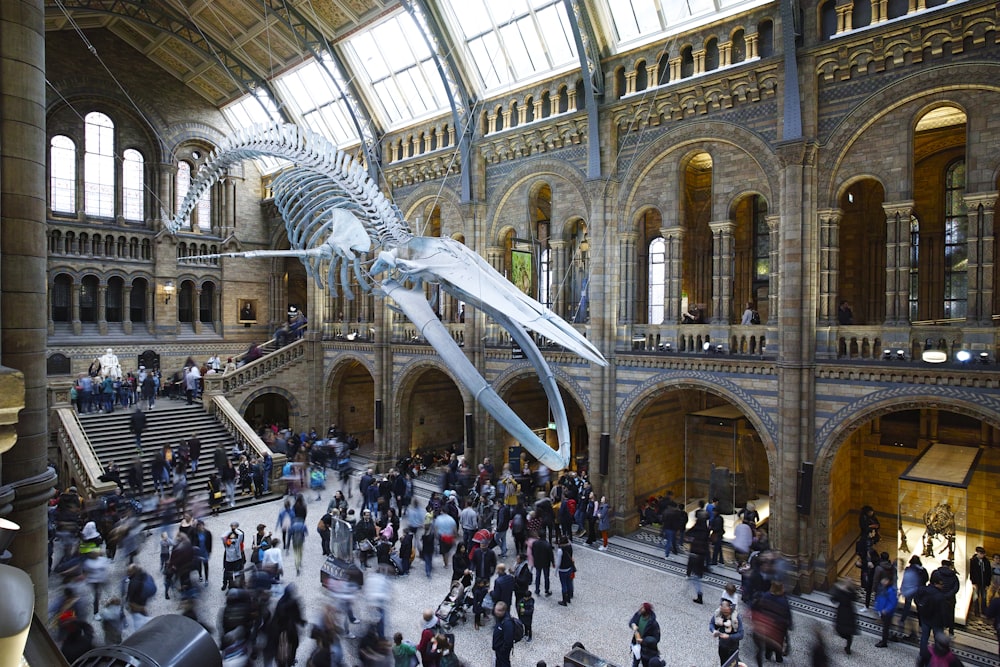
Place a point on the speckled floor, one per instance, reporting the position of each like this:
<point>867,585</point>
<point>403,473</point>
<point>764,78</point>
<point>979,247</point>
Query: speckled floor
<point>609,589</point>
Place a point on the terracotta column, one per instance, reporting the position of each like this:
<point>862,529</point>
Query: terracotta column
<point>23,256</point>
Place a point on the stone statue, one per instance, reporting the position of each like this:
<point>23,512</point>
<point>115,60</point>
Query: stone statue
<point>334,214</point>
<point>110,366</point>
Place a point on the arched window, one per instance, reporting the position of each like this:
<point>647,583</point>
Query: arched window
<point>201,216</point>
<point>113,310</point>
<point>206,303</point>
<point>185,302</point>
<point>739,48</point>
<point>62,174</point>
<point>711,54</point>
<point>133,181</point>
<point>657,279</point>
<point>88,299</point>
<point>956,248</point>
<point>579,274</point>
<point>545,277</point>
<point>183,182</point>
<point>99,165</point>
<point>765,39</point>
<point>62,289</point>
<point>861,14</point>
<point>687,62</point>
<point>137,301</point>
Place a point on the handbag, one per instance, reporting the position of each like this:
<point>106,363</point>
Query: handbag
<point>488,602</point>
<point>365,545</point>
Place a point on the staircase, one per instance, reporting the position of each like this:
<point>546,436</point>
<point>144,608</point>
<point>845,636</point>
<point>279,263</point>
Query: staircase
<point>169,422</point>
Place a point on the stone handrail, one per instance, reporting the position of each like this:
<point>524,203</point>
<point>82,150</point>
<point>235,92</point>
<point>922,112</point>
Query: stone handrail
<point>231,419</point>
<point>258,369</point>
<point>85,466</point>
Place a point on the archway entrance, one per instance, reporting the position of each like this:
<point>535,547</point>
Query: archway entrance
<point>352,401</point>
<point>527,399</point>
<point>931,477</point>
<point>697,445</point>
<point>432,415</point>
<point>267,409</point>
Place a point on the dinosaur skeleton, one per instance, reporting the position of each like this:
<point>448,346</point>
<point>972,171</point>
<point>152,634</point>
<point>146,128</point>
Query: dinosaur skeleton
<point>334,214</point>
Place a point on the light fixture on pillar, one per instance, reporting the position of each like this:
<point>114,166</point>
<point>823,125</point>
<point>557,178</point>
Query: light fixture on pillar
<point>901,355</point>
<point>706,346</point>
<point>718,349</point>
<point>963,356</point>
<point>168,291</point>
<point>887,354</point>
<point>934,356</point>
<point>984,357</point>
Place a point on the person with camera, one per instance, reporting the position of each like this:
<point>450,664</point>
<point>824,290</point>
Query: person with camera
<point>234,556</point>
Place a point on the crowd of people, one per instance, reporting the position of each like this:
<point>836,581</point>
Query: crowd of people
<point>468,528</point>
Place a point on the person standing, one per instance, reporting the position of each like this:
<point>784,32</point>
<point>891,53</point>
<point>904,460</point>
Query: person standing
<point>201,539</point>
<point>604,522</point>
<point>194,451</point>
<point>503,635</point>
<point>644,626</point>
<point>717,528</point>
<point>543,557</point>
<point>148,388</point>
<point>234,556</point>
<point>885,605</point>
<point>981,574</point>
<point>567,569</point>
<point>914,578</point>
<point>931,609</point>
<point>950,585</point>
<point>726,626</point>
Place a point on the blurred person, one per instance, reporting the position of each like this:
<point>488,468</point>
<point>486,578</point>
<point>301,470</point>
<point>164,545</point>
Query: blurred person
<point>846,618</point>
<point>772,618</point>
<point>915,577</point>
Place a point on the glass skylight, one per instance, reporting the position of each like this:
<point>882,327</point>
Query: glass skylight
<point>394,60</point>
<point>640,21</point>
<point>313,97</point>
<point>514,41</point>
<point>252,110</point>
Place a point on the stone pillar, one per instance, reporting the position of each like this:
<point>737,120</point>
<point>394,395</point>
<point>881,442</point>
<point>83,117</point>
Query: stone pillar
<point>699,61</point>
<point>506,118</point>
<point>673,262</point>
<point>752,39</point>
<point>774,259</point>
<point>494,255</point>
<point>23,253</point>
<point>844,18</point>
<point>981,249</point>
<point>127,308</point>
<point>627,282</point>
<point>557,266</point>
<point>74,306</point>
<point>879,11</point>
<point>554,103</point>
<point>196,310</point>
<point>151,308</point>
<point>722,270</point>
<point>217,310</point>
<point>725,54</point>
<point>629,82</point>
<point>652,74</point>
<point>829,264</point>
<point>102,309</point>
<point>675,68</point>
<point>897,262</point>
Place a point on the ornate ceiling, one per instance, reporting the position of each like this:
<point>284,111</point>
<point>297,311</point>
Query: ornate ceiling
<point>220,48</point>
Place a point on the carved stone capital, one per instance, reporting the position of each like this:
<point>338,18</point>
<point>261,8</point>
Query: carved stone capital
<point>11,403</point>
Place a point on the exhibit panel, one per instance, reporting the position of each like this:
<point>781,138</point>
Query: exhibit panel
<point>933,514</point>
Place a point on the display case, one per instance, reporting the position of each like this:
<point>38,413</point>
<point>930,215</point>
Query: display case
<point>933,513</point>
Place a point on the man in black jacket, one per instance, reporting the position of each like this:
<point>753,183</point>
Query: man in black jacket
<point>503,587</point>
<point>950,586</point>
<point>522,577</point>
<point>931,609</point>
<point>503,635</point>
<point>981,574</point>
<point>543,555</point>
<point>137,424</point>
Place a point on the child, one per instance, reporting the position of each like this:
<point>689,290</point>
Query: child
<point>731,594</point>
<point>525,611</point>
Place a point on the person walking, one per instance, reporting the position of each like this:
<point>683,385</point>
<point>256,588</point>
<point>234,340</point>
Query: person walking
<point>846,618</point>
<point>772,618</point>
<point>136,425</point>
<point>644,628</point>
<point>914,578</point>
<point>503,635</point>
<point>697,535</point>
<point>726,626</point>
<point>604,522</point>
<point>885,605</point>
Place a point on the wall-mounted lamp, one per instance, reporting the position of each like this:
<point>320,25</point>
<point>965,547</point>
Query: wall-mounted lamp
<point>168,291</point>
<point>963,356</point>
<point>984,357</point>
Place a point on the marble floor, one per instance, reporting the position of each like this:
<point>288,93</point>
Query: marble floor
<point>609,588</point>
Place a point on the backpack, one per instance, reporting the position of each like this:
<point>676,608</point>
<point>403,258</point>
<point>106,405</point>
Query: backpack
<point>148,588</point>
<point>755,318</point>
<point>518,629</point>
<point>945,660</point>
<point>571,506</point>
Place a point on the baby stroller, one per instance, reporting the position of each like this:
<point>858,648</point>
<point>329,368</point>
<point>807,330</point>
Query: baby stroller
<point>451,611</point>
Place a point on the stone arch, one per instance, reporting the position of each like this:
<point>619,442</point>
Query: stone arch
<point>946,84</point>
<point>514,373</point>
<point>843,187</point>
<point>548,169</point>
<point>737,196</point>
<point>336,370</point>
<point>294,408</point>
<point>649,391</point>
<point>404,382</point>
<point>674,146</point>
<point>427,196</point>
